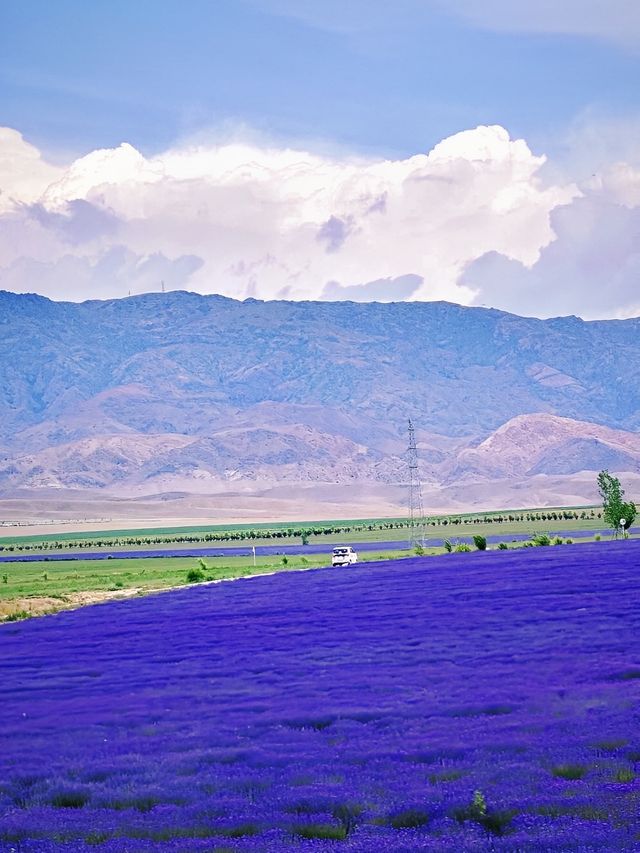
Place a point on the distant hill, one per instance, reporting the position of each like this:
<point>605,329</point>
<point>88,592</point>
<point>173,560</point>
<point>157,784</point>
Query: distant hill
<point>178,391</point>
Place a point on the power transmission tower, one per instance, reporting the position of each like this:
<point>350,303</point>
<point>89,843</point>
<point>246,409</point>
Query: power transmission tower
<point>416,510</point>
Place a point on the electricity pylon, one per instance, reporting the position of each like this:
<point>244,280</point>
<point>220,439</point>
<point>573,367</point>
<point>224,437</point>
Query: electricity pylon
<point>416,510</point>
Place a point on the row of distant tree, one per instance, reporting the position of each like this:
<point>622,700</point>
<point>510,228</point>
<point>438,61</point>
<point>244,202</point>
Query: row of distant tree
<point>302,533</point>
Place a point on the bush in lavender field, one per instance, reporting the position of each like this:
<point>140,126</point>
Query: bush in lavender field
<point>625,774</point>
<point>569,771</point>
<point>70,798</point>
<point>409,819</point>
<point>480,542</point>
<point>540,540</point>
<point>419,705</point>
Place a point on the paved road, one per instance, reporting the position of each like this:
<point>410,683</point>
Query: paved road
<point>271,550</point>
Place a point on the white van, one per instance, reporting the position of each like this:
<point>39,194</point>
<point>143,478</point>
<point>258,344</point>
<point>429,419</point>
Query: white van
<point>343,555</point>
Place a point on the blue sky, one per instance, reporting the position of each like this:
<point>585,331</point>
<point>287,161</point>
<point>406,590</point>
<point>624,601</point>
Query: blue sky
<point>390,78</point>
<point>487,153</point>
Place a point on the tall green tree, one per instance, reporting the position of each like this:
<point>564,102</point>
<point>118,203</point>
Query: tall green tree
<point>614,507</point>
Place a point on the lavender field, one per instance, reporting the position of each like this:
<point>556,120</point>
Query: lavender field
<point>486,701</point>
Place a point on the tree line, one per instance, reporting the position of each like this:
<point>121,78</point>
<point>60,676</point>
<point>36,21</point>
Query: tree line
<point>302,533</point>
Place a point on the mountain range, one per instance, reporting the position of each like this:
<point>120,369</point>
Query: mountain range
<point>176,392</point>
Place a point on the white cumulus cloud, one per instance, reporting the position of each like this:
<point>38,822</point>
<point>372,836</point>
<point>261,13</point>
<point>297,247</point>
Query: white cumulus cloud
<point>591,269</point>
<point>24,174</point>
<point>272,222</point>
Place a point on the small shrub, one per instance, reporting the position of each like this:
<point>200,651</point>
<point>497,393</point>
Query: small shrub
<point>195,575</point>
<point>569,541</point>
<point>624,774</point>
<point>591,813</point>
<point>479,804</point>
<point>96,838</point>
<point>408,819</point>
<point>480,542</point>
<point>418,551</point>
<point>462,548</point>
<point>325,831</point>
<point>285,561</point>
<point>540,540</point>
<point>597,537</point>
<point>17,616</point>
<point>347,815</point>
<point>141,802</point>
<point>5,578</point>
<point>70,799</point>
<point>495,822</point>
<point>448,547</point>
<point>557,540</point>
<point>571,772</point>
<point>503,546</point>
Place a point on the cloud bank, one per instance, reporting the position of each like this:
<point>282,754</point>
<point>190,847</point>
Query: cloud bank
<point>592,269</point>
<point>471,221</point>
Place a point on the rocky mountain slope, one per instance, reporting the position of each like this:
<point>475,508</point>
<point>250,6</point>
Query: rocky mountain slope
<point>179,391</point>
